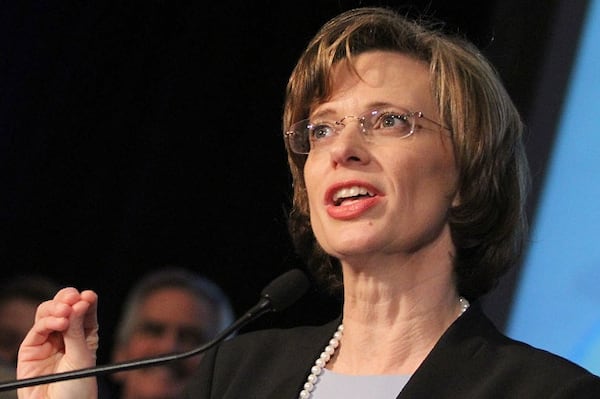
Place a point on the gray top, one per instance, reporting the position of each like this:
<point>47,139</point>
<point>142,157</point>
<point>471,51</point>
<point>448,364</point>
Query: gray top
<point>332,385</point>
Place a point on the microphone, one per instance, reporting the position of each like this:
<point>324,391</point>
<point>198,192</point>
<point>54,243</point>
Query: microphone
<point>278,295</point>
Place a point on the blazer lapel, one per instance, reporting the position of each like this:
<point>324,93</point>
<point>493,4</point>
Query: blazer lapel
<point>448,369</point>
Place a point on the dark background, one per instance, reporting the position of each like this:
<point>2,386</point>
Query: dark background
<point>139,134</point>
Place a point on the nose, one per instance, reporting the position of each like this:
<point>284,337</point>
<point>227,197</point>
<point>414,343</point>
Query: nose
<point>352,126</point>
<point>348,119</point>
<point>350,143</point>
<point>169,341</point>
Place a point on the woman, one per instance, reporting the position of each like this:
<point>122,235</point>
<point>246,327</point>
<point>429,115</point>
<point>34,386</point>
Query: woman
<point>409,187</point>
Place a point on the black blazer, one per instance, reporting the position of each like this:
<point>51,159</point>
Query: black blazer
<point>471,360</point>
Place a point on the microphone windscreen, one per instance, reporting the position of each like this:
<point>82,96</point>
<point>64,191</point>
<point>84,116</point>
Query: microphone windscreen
<point>286,289</point>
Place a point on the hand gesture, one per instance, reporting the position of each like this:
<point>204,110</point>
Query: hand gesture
<point>64,337</point>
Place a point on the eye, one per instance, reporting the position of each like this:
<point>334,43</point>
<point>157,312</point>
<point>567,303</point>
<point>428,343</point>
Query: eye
<point>392,120</point>
<point>320,131</point>
<point>151,329</point>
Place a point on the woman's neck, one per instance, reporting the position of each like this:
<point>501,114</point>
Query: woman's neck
<point>395,317</point>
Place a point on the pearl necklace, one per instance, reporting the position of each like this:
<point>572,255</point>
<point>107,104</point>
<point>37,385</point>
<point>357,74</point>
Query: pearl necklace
<point>329,350</point>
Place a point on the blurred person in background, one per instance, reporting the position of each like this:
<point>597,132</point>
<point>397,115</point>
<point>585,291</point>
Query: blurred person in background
<point>171,309</point>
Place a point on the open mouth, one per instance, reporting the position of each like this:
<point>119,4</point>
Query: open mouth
<point>350,193</point>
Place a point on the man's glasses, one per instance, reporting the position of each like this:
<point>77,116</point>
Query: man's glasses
<point>306,135</point>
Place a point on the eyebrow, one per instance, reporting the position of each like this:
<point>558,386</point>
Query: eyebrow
<point>327,111</point>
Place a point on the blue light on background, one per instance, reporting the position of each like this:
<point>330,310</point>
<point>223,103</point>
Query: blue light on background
<point>557,302</point>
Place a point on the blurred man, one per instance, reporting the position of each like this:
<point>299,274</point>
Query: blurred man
<point>169,310</point>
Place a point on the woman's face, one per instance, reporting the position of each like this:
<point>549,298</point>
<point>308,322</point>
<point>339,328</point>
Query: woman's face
<point>383,195</point>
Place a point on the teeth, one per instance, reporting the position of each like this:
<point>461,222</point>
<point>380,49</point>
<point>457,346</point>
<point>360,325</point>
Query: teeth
<point>347,192</point>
